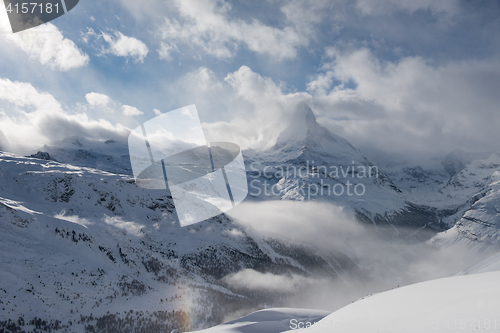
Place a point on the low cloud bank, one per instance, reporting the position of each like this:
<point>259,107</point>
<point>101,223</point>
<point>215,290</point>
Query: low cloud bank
<point>383,262</point>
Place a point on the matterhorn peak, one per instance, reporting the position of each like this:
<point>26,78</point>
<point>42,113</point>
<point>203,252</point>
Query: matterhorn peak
<point>304,115</point>
<point>304,132</point>
<point>304,136</point>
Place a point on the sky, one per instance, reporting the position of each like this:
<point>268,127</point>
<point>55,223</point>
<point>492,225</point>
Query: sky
<point>405,77</point>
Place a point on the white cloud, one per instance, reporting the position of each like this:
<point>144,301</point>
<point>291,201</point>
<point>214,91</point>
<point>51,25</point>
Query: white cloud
<point>305,16</point>
<point>5,27</point>
<point>377,7</point>
<point>47,45</point>
<point>131,111</point>
<point>37,118</point>
<point>233,233</point>
<point>103,102</point>
<point>378,262</point>
<point>4,143</point>
<point>409,106</point>
<point>24,94</point>
<point>157,112</point>
<point>244,108</point>
<point>206,27</point>
<point>129,227</point>
<point>86,36</point>
<point>124,46</point>
<point>166,49</point>
<point>96,99</point>
<point>73,219</point>
<point>252,280</point>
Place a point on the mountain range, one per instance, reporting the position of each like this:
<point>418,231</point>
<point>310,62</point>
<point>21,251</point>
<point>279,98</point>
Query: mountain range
<point>85,250</point>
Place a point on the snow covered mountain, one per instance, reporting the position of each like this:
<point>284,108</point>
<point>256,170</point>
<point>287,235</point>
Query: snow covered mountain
<point>108,155</point>
<point>466,303</point>
<point>458,159</point>
<point>79,239</point>
<point>309,162</point>
<point>88,248</point>
<point>478,225</point>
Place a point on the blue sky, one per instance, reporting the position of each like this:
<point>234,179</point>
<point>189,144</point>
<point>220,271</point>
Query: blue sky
<point>406,77</point>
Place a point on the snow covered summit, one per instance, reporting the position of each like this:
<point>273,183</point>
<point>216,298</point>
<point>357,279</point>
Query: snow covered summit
<point>305,139</point>
<point>308,162</point>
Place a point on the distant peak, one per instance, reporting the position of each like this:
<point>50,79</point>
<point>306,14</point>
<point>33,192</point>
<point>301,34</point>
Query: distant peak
<point>77,142</point>
<point>303,115</point>
<point>304,130</point>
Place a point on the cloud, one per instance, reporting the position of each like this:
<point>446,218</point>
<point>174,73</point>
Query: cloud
<point>96,99</point>
<point>5,27</point>
<point>409,105</point>
<point>131,111</point>
<point>37,118</point>
<point>129,227</point>
<point>307,16</point>
<point>4,143</point>
<point>233,233</point>
<point>23,94</point>
<point>157,112</point>
<point>73,219</point>
<point>305,222</point>
<point>252,280</point>
<point>102,102</point>
<point>384,7</point>
<point>207,28</point>
<point>166,49</point>
<point>245,108</point>
<point>124,46</point>
<point>381,262</point>
<point>47,45</point>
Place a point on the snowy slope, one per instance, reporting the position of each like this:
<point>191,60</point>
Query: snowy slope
<point>467,303</point>
<point>269,321</point>
<point>107,155</point>
<point>456,160</point>
<point>478,185</point>
<point>490,264</point>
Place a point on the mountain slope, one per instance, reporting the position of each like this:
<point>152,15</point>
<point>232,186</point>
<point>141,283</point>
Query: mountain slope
<point>478,184</point>
<point>77,241</point>
<point>108,155</point>
<point>270,321</point>
<point>456,160</point>
<point>466,303</point>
